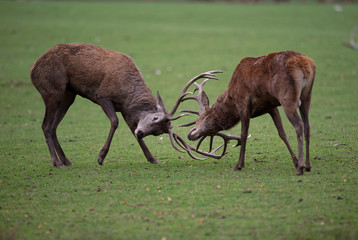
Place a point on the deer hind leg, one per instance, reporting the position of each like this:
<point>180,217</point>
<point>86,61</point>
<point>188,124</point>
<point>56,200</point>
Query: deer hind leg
<point>304,110</point>
<point>110,111</point>
<point>52,105</point>
<point>297,123</point>
<point>275,115</point>
<point>61,112</point>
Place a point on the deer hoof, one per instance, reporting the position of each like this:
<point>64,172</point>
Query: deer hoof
<point>236,168</point>
<point>100,160</point>
<point>154,161</point>
<point>67,163</point>
<point>59,165</point>
<point>299,171</point>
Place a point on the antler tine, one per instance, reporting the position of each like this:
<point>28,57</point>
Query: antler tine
<point>190,111</point>
<point>186,147</point>
<point>187,124</point>
<point>225,137</point>
<point>199,143</point>
<point>172,138</point>
<point>201,98</point>
<point>211,146</point>
<point>228,138</point>
<point>190,123</point>
<point>179,116</point>
<point>209,75</point>
<point>181,143</point>
<point>211,143</point>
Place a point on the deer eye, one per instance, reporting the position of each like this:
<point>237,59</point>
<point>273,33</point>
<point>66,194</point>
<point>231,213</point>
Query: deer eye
<point>155,118</point>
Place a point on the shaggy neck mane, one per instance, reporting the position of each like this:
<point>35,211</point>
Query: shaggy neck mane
<point>224,112</point>
<point>138,105</point>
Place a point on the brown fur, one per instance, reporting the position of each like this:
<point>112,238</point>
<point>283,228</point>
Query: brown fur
<point>258,86</point>
<point>107,78</point>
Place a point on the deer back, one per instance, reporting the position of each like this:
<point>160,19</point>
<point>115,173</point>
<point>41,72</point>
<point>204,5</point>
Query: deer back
<point>93,72</point>
<point>263,83</point>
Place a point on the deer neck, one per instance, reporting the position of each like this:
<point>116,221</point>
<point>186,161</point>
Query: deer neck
<point>225,112</point>
<point>137,108</point>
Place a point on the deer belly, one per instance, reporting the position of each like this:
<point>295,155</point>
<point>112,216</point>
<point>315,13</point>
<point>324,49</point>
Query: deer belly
<point>84,91</point>
<point>260,106</point>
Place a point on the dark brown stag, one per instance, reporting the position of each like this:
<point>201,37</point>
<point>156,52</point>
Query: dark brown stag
<point>109,79</point>
<point>258,86</point>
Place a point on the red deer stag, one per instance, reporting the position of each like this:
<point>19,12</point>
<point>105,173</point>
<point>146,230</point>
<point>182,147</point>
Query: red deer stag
<point>258,86</point>
<point>109,79</point>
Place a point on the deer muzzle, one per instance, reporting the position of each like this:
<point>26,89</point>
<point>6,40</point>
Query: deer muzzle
<point>139,134</point>
<point>193,135</point>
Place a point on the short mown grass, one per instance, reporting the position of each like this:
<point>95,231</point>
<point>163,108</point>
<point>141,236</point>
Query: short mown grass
<point>127,197</point>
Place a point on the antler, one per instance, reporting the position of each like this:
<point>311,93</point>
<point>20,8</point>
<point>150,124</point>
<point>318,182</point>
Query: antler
<point>184,93</point>
<point>212,152</point>
<point>203,101</point>
<point>182,97</point>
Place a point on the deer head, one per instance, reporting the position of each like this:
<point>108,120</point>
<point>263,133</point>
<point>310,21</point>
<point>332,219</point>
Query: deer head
<point>155,123</point>
<point>204,108</point>
<point>205,126</point>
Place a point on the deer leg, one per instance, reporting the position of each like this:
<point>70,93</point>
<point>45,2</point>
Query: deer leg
<point>304,109</point>
<point>275,115</point>
<point>49,119</point>
<point>141,142</point>
<point>61,112</point>
<point>298,125</point>
<point>245,122</point>
<point>146,152</point>
<point>109,110</point>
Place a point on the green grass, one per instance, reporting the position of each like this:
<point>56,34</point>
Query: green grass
<point>128,198</point>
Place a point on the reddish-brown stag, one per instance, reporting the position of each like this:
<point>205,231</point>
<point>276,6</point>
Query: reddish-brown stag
<point>258,86</point>
<point>109,79</point>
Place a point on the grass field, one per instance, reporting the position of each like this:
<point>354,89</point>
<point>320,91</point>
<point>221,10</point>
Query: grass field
<point>128,198</point>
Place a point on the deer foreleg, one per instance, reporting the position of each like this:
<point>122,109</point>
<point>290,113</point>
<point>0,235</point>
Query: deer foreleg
<point>245,122</point>
<point>275,115</point>
<point>109,110</point>
<point>146,152</point>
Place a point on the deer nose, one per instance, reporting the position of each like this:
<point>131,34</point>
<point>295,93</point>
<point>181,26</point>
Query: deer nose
<point>140,134</point>
<point>189,137</point>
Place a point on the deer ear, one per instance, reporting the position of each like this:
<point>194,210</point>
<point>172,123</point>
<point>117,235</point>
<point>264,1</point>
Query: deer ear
<point>160,104</point>
<point>205,100</point>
